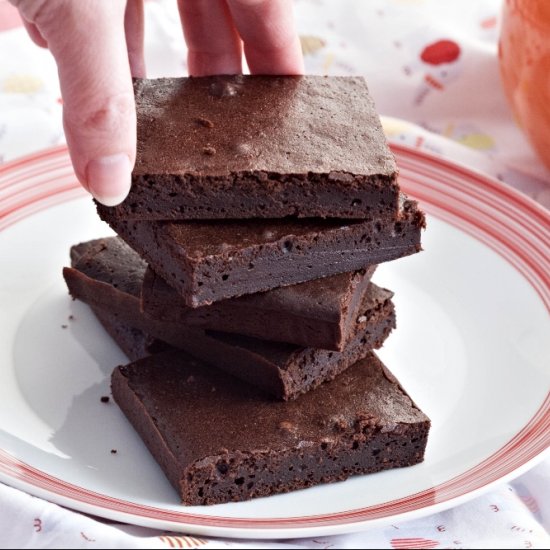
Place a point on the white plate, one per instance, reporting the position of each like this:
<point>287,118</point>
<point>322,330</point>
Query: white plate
<point>472,348</point>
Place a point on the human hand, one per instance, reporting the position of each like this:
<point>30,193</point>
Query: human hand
<point>98,47</point>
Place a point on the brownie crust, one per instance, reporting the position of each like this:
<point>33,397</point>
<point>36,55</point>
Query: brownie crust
<point>306,146</point>
<point>206,262</point>
<point>218,440</point>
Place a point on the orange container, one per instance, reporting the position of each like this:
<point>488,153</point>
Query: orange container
<point>524,56</point>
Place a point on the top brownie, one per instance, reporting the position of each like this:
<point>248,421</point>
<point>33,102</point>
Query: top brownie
<point>259,146</point>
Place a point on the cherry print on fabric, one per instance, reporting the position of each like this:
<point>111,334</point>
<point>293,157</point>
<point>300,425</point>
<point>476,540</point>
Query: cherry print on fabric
<point>442,51</point>
<point>440,66</point>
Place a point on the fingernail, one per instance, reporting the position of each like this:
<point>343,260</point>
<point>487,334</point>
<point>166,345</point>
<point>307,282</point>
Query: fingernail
<point>109,178</point>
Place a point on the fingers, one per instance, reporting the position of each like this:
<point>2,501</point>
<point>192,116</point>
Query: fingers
<point>214,47</point>
<point>98,100</point>
<point>266,27</point>
<point>134,30</point>
<point>271,43</point>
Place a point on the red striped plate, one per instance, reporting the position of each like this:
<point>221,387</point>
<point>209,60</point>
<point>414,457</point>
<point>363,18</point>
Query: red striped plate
<point>472,348</point>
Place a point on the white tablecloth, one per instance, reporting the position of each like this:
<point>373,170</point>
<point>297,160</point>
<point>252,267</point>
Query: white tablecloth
<point>431,67</point>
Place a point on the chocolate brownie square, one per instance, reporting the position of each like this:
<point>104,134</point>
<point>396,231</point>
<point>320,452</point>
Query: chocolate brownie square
<point>222,147</point>
<point>316,314</point>
<point>218,440</point>
<point>206,262</point>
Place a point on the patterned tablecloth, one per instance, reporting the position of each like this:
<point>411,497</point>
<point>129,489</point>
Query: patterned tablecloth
<point>431,66</point>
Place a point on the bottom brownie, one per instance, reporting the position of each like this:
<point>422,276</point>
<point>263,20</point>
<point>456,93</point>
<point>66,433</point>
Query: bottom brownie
<point>219,440</point>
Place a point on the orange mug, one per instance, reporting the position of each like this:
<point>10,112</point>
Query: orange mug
<point>524,57</point>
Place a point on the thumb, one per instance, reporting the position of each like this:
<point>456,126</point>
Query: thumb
<point>88,43</point>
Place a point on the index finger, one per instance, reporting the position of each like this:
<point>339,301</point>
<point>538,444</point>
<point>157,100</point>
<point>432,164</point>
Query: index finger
<point>88,43</point>
<point>271,43</point>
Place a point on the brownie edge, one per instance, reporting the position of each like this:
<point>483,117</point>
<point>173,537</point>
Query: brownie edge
<point>218,440</point>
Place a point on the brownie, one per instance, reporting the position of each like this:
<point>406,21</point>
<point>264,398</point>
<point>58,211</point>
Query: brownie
<point>206,262</point>
<point>282,370</point>
<point>133,342</point>
<point>219,440</point>
<point>224,147</point>
<point>318,313</point>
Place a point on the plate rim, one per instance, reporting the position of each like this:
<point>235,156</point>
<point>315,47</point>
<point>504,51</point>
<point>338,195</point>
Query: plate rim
<point>13,471</point>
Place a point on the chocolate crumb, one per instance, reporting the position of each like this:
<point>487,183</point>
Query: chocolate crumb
<point>205,122</point>
<point>64,326</point>
<point>208,150</point>
<point>339,424</point>
<point>71,317</point>
<point>222,89</point>
<point>243,149</point>
<point>105,399</point>
<point>287,426</point>
<point>114,451</point>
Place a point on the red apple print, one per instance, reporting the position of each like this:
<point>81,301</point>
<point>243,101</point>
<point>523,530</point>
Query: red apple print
<point>442,51</point>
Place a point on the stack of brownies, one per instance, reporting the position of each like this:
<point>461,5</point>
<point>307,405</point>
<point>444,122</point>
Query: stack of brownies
<point>239,284</point>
